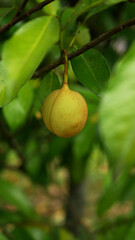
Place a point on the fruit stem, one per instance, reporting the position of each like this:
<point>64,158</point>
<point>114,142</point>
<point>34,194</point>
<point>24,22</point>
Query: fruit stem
<point>66,67</point>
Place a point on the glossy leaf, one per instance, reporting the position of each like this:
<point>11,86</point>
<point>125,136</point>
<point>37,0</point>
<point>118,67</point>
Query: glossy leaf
<point>13,195</point>
<point>22,54</point>
<point>93,6</point>
<point>88,95</point>
<point>117,115</point>
<point>52,8</point>
<point>92,70</point>
<point>48,84</point>
<point>16,112</point>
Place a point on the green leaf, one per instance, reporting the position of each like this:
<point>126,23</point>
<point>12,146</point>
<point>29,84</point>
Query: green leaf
<point>6,3</point>
<point>48,84</point>
<point>80,154</point>
<point>21,234</point>
<point>22,54</point>
<point>16,112</point>
<point>4,12</point>
<point>2,237</point>
<point>89,96</point>
<point>38,234</point>
<point>66,16</point>
<point>93,6</point>
<point>117,114</point>
<point>112,193</point>
<point>85,136</point>
<point>80,40</point>
<point>92,70</point>
<point>52,8</point>
<point>69,27</point>
<point>7,217</point>
<point>57,146</point>
<point>13,195</point>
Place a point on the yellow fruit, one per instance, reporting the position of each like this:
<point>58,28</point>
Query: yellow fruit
<point>65,112</point>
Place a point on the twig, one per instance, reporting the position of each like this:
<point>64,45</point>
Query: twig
<point>21,8</point>
<point>38,7</point>
<point>86,47</point>
<point>12,143</point>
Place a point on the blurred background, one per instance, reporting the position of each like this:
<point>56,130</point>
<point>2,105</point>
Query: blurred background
<point>51,187</point>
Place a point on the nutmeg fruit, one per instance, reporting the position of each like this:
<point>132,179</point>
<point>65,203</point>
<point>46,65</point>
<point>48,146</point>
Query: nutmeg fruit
<point>65,111</point>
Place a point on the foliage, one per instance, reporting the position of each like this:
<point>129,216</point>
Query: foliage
<point>96,165</point>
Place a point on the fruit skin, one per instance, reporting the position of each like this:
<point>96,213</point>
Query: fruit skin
<point>65,112</point>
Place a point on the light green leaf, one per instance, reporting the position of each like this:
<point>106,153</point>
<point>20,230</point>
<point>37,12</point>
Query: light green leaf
<point>117,114</point>
<point>13,195</point>
<point>22,54</point>
<point>16,112</point>
<point>80,39</point>
<point>52,8</point>
<point>92,70</point>
<point>37,234</point>
<point>48,84</point>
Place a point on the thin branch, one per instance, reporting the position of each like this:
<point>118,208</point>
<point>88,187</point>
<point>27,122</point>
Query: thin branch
<point>12,143</point>
<point>86,47</point>
<point>38,7</point>
<point>21,8</point>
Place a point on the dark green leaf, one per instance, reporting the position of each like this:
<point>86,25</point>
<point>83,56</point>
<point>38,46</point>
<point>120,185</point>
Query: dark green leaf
<point>21,234</point>
<point>4,12</point>
<point>92,70</point>
<point>7,217</point>
<point>13,195</point>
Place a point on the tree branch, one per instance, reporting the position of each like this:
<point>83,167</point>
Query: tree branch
<point>86,47</point>
<point>21,8</point>
<point>12,143</point>
<point>13,21</point>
